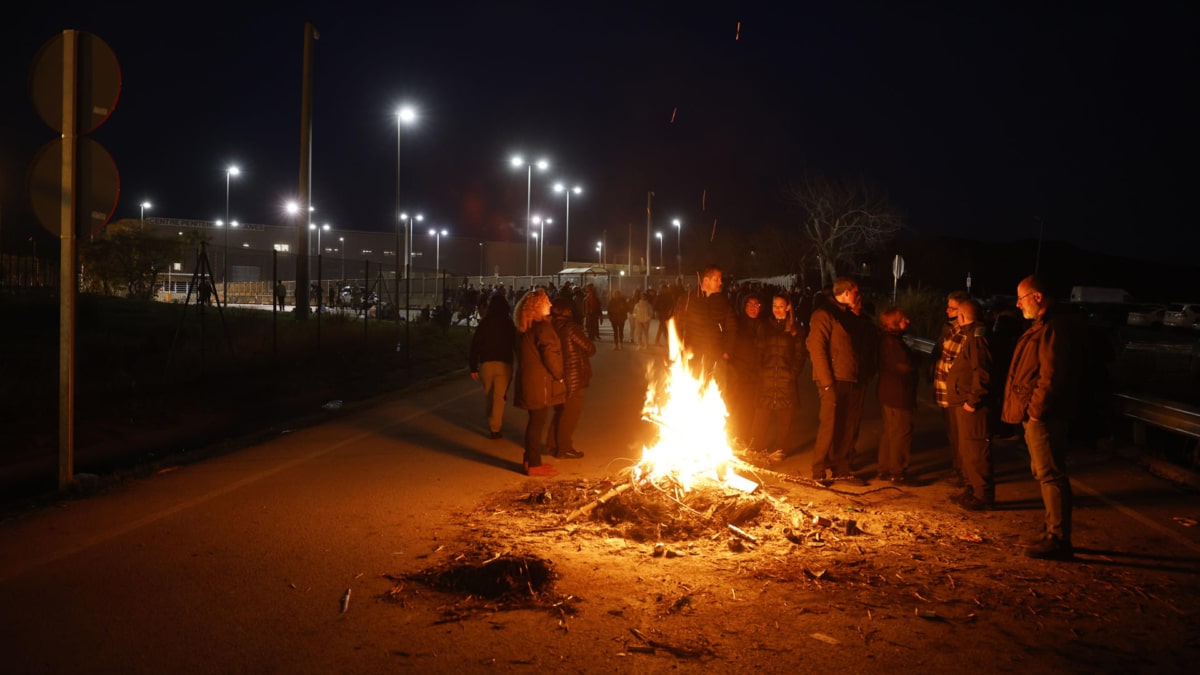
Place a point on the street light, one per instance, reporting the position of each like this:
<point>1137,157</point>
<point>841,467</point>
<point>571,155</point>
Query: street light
<point>408,240</point>
<point>542,165</point>
<point>678,256</point>
<point>406,114</point>
<point>662,261</point>
<point>229,173</point>
<point>144,205</point>
<point>437,258</point>
<point>541,251</point>
<point>599,253</point>
<point>342,248</point>
<point>313,226</point>
<point>559,187</point>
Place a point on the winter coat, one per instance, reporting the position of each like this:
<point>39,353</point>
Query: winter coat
<point>781,357</point>
<point>539,368</point>
<point>1042,379</point>
<point>744,357</point>
<point>577,353</point>
<point>643,311</point>
<point>494,340</point>
<point>706,324</point>
<point>969,379</point>
<point>618,310</point>
<point>838,341</point>
<point>897,373</point>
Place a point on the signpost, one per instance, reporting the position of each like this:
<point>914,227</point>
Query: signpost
<point>75,84</point>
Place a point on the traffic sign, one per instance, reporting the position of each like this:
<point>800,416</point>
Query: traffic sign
<point>99,83</point>
<point>97,187</point>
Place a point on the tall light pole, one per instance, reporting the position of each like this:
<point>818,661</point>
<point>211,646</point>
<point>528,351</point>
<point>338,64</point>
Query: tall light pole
<point>313,226</point>
<point>599,253</point>
<point>678,256</point>
<point>406,114</point>
<point>661,260</point>
<point>144,206</point>
<point>408,240</point>
<point>342,248</point>
<point>229,173</point>
<point>536,244</point>
<point>437,258</point>
<point>540,246</point>
<point>559,187</point>
<point>542,165</point>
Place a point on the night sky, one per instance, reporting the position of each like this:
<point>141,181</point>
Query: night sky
<point>977,122</point>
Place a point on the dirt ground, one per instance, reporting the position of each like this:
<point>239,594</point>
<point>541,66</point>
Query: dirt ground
<point>655,579</point>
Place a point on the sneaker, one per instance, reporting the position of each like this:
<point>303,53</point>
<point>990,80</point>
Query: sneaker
<point>568,454</point>
<point>495,435</point>
<point>543,470</point>
<point>849,479</point>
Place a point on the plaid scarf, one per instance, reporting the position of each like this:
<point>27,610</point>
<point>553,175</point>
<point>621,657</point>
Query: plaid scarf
<point>950,348</point>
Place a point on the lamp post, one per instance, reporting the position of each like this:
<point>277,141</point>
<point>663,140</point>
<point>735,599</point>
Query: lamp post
<point>437,258</point>
<point>542,165</point>
<point>559,187</point>
<point>404,115</point>
<point>599,253</point>
<point>144,206</point>
<point>342,248</point>
<point>536,242</point>
<point>408,243</point>
<point>326,227</point>
<point>678,256</point>
<point>481,266</point>
<point>229,173</point>
<point>661,261</point>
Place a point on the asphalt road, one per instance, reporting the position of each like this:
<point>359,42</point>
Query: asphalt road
<point>240,563</point>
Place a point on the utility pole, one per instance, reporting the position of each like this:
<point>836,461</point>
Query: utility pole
<point>649,196</point>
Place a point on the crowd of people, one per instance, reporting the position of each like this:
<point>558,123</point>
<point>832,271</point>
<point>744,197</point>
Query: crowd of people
<point>993,373</point>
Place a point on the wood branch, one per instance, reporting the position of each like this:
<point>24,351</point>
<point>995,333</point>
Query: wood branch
<point>592,505</point>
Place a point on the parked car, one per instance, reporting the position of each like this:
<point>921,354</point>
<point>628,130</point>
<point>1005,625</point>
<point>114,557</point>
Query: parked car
<point>1181,314</point>
<point>1146,315</point>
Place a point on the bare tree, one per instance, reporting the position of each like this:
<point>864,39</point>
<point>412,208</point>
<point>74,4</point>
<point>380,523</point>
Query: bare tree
<point>841,220</point>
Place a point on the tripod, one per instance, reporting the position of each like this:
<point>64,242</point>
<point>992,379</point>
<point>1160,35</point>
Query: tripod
<point>206,293</point>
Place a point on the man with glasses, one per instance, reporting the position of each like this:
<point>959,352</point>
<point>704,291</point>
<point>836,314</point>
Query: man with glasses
<point>1040,394</point>
<point>944,352</point>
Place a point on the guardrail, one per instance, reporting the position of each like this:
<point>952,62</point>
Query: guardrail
<point>1179,418</point>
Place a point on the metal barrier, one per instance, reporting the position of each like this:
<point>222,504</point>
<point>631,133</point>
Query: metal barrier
<point>1176,417</point>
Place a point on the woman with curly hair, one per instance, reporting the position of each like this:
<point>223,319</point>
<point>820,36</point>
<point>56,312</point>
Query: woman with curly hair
<point>539,378</point>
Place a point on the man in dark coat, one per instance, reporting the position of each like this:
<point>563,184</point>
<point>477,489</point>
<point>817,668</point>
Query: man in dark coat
<point>897,396</point>
<point>1040,394</point>
<point>707,325</point>
<point>968,396</point>
<point>838,341</point>
<point>491,360</point>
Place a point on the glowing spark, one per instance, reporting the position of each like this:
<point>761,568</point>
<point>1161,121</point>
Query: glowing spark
<point>713,236</point>
<point>738,34</point>
<point>673,111</point>
<point>703,200</point>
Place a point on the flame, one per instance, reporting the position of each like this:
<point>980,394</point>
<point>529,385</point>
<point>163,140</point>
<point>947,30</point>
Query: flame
<point>690,416</point>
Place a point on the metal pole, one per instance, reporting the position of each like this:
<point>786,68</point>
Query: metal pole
<point>567,240</point>
<point>399,223</point>
<point>649,196</point>
<point>528,214</point>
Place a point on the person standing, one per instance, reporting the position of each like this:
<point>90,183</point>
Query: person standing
<point>941,357</point>
<point>592,311</point>
<point>280,296</point>
<point>540,384</point>
<point>707,326</point>
<point>642,313</point>
<point>664,305</point>
<point>744,371</point>
<point>968,395</point>
<point>897,390</point>
<point>577,375</point>
<point>1040,394</point>
<point>618,311</point>
<point>836,343</point>
<point>491,360</point>
<point>781,355</point>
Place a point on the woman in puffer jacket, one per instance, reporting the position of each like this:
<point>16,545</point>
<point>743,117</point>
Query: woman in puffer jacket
<point>539,378</point>
<point>781,357</point>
